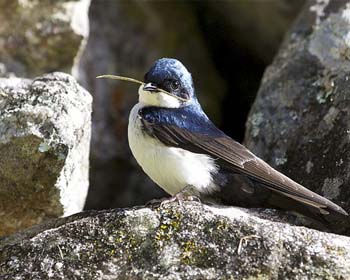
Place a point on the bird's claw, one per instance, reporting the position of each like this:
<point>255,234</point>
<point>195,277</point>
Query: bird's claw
<point>184,195</point>
<point>180,197</point>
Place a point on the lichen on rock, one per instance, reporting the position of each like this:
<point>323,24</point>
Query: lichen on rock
<point>174,241</point>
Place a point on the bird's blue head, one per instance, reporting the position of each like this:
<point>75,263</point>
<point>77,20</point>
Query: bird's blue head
<point>172,76</point>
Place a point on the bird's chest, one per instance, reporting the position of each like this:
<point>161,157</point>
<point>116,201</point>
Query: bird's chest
<point>171,168</point>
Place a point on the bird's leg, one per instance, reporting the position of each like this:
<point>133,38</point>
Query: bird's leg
<point>186,194</point>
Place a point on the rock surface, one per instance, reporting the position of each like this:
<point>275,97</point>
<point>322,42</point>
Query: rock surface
<point>37,37</point>
<point>300,121</point>
<point>44,147</point>
<point>187,241</point>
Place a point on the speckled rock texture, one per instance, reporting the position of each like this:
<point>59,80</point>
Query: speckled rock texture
<point>172,241</point>
<point>300,121</point>
<point>39,36</point>
<point>44,146</point>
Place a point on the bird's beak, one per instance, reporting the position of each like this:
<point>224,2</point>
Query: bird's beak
<point>150,87</point>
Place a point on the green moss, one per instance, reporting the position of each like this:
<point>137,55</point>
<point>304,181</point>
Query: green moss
<point>222,225</point>
<point>194,254</point>
<point>169,224</point>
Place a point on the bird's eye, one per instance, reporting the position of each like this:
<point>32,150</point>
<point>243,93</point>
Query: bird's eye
<point>175,85</point>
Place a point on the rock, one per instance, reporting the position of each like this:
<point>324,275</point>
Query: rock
<point>42,36</point>
<point>44,147</point>
<point>300,121</point>
<point>126,38</point>
<point>187,241</point>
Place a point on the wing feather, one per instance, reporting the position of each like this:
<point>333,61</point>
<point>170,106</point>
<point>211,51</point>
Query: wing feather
<point>239,159</point>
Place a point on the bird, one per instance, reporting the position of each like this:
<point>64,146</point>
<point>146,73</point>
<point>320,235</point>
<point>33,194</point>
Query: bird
<point>180,148</point>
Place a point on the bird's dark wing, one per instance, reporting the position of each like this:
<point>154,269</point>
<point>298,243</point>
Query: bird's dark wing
<point>236,157</point>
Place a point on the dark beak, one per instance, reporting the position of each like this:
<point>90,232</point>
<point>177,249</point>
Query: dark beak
<point>150,87</point>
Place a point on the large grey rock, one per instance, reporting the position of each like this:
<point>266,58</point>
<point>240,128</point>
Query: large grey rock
<point>187,241</point>
<point>44,148</point>
<point>41,36</point>
<point>300,121</point>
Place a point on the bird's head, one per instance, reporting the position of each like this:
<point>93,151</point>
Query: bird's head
<point>171,76</point>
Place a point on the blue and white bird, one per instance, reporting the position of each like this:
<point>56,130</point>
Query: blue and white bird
<point>177,146</point>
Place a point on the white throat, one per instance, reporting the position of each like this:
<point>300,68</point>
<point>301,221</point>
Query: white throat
<point>158,99</point>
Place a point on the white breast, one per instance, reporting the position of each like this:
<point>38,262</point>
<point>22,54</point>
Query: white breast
<point>170,168</point>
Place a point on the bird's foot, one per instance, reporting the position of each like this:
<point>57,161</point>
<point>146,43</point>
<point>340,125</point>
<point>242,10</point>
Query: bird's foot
<point>184,195</point>
<point>180,197</point>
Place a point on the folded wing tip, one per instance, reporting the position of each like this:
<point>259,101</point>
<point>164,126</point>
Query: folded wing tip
<point>342,211</point>
<point>337,209</point>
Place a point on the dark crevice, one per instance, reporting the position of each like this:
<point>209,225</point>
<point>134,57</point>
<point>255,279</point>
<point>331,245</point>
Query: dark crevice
<point>237,65</point>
